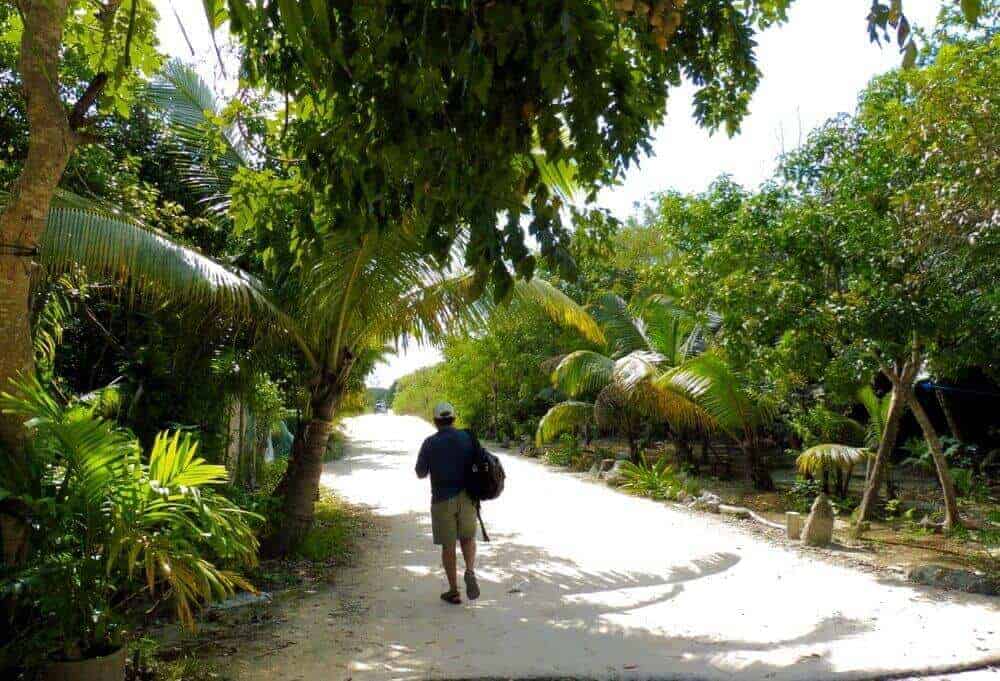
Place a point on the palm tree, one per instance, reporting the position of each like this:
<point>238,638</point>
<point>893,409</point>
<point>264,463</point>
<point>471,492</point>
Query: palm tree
<point>720,399</point>
<point>357,293</point>
<point>878,415</point>
<point>658,365</point>
<point>83,233</point>
<point>636,346</point>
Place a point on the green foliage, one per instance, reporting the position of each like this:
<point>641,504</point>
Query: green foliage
<point>657,481</point>
<point>335,449</point>
<point>566,452</point>
<point>800,496</point>
<point>827,458</point>
<point>147,660</point>
<point>418,392</point>
<point>107,526</point>
<point>430,114</point>
<point>332,535</point>
<point>562,419</point>
<point>270,476</point>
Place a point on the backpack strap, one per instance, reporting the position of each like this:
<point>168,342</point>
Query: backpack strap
<point>475,441</point>
<point>482,526</point>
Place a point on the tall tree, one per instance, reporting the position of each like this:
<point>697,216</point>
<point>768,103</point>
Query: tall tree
<point>117,38</point>
<point>875,251</point>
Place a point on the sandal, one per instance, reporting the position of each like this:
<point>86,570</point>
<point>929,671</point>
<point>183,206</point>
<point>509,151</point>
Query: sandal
<point>452,597</point>
<point>471,585</point>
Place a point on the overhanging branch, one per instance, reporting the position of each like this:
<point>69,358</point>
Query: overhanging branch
<point>77,117</point>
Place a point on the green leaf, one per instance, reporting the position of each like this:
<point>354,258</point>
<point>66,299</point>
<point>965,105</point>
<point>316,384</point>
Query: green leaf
<point>909,55</point>
<point>971,10</point>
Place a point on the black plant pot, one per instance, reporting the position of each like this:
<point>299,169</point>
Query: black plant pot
<point>110,667</point>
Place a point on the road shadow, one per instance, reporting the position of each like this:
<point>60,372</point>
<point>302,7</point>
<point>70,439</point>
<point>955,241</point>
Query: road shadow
<point>543,615</point>
<point>551,613</point>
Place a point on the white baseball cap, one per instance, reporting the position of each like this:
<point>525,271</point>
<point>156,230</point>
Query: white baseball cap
<point>443,410</point>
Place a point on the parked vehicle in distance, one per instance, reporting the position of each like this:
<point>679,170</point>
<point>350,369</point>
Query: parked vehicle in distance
<point>380,407</point>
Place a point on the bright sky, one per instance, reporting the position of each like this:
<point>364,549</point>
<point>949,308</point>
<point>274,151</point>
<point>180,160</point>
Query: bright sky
<point>813,67</point>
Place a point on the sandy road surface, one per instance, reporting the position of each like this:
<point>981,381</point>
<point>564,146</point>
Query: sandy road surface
<point>585,582</point>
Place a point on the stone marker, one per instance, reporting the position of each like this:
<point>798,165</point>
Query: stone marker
<point>793,524</point>
<point>818,530</point>
<point>614,476</point>
<point>707,502</point>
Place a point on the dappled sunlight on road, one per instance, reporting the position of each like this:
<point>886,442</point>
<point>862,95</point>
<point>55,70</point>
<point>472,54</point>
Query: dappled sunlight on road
<point>584,581</point>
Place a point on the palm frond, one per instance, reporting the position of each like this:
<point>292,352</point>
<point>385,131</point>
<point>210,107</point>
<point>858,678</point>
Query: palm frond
<point>671,331</point>
<point>190,108</point>
<point>830,457</point>
<point>878,413</point>
<point>563,418</point>
<point>624,332</point>
<point>718,393</point>
<point>583,372</point>
<point>636,367</point>
<point>561,308</point>
<point>151,264</point>
<point>557,174</point>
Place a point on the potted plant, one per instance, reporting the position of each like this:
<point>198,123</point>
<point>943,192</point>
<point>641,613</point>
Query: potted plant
<point>109,528</point>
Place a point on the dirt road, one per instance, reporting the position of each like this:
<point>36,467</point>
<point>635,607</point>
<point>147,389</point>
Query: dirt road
<point>585,582</point>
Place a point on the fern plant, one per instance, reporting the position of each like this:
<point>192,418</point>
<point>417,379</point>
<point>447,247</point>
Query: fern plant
<point>110,528</point>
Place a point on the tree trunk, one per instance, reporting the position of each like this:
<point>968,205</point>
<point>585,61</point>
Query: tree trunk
<point>633,450</point>
<point>683,447</point>
<point>301,484</point>
<point>951,517</point>
<point>757,474</point>
<point>885,446</point>
<point>949,415</point>
<point>50,143</point>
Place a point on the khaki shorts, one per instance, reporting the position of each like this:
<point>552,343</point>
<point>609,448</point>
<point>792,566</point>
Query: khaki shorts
<point>453,519</point>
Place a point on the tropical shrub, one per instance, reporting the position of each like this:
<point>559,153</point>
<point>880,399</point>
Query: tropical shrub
<point>800,496</point>
<point>822,460</point>
<point>565,452</point>
<point>331,536</point>
<point>656,481</point>
<point>107,528</point>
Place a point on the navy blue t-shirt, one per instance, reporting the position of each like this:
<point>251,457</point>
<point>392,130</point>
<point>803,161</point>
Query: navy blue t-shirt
<point>444,455</point>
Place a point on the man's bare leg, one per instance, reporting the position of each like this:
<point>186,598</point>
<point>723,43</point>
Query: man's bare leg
<point>469,554</point>
<point>450,559</point>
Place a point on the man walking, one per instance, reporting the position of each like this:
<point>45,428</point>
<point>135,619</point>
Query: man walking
<point>444,456</point>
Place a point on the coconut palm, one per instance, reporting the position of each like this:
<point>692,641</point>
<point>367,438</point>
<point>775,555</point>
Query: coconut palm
<point>833,444</point>
<point>720,399</point>
<point>657,364</point>
<point>636,346</point>
<point>354,295</point>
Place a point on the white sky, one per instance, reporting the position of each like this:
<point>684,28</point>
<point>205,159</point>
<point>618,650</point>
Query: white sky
<point>814,67</point>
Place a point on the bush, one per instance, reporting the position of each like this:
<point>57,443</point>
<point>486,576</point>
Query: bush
<point>155,531</point>
<point>800,496</point>
<point>335,449</point>
<point>332,535</point>
<point>565,452</point>
<point>270,476</point>
<point>659,481</point>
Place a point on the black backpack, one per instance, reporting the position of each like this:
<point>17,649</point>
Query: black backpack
<point>484,478</point>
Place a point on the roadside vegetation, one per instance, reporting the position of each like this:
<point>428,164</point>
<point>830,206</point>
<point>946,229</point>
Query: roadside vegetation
<point>194,289</point>
<point>832,331</point>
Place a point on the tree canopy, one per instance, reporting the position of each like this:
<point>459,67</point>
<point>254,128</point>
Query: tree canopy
<point>426,116</point>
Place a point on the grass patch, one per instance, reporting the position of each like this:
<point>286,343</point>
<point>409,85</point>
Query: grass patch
<point>333,532</point>
<point>335,447</point>
<point>146,662</point>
